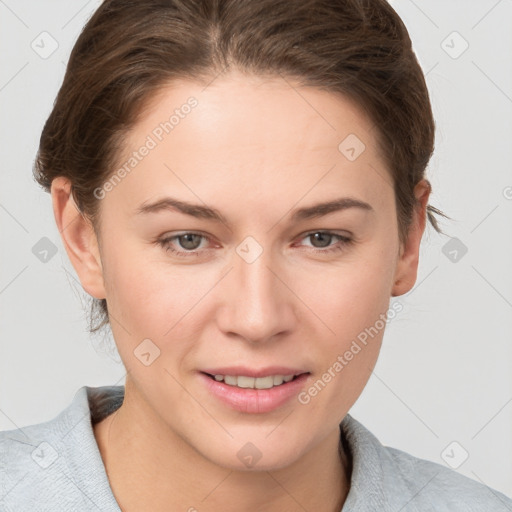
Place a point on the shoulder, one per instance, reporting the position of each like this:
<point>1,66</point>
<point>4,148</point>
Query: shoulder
<point>386,478</point>
<point>53,464</point>
<point>29,457</point>
<point>434,485</point>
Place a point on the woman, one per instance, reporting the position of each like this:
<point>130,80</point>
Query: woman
<point>242,184</point>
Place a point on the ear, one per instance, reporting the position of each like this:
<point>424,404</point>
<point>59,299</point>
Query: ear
<point>78,237</point>
<point>407,264</point>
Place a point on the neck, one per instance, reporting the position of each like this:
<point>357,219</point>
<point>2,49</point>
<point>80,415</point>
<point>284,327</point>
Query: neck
<point>151,468</point>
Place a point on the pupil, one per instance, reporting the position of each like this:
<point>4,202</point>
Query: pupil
<point>188,243</point>
<point>319,236</point>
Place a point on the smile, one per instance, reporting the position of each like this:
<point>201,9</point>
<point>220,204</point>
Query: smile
<point>243,381</point>
<point>249,394</point>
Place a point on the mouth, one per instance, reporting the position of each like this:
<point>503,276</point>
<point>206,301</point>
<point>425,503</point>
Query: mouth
<point>247,382</point>
<point>262,392</point>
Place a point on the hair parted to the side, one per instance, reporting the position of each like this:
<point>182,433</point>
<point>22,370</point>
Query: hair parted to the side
<point>130,49</point>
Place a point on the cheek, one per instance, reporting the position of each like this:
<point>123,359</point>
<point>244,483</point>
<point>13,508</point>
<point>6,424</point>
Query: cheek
<point>149,298</point>
<point>350,297</point>
<point>140,287</point>
<point>352,301</point>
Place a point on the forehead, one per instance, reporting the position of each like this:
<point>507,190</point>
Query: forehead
<point>243,131</point>
<point>272,109</point>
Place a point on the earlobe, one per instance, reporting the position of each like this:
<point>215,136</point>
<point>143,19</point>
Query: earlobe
<point>78,237</point>
<point>407,264</point>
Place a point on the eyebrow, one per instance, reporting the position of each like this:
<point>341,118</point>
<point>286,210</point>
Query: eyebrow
<point>205,212</point>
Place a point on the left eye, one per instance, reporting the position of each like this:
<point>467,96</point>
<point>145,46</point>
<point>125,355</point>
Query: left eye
<point>190,242</point>
<point>325,235</point>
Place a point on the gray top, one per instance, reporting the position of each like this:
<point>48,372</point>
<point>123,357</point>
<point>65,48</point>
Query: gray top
<point>56,465</point>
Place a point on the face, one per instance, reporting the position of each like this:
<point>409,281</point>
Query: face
<point>252,279</point>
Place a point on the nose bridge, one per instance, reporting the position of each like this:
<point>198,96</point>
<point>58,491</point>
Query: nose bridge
<point>258,305</point>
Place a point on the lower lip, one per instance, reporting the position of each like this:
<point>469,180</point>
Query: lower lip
<point>255,400</point>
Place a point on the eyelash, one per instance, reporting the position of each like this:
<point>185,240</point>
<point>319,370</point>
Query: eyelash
<point>344,241</point>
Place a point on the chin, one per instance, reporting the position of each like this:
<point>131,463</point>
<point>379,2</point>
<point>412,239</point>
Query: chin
<point>253,457</point>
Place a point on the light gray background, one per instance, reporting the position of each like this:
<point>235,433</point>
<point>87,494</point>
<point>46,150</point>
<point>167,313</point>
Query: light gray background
<point>445,370</point>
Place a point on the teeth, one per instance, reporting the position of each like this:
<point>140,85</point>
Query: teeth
<point>242,381</point>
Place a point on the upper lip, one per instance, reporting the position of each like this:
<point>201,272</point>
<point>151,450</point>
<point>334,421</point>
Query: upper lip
<point>254,372</point>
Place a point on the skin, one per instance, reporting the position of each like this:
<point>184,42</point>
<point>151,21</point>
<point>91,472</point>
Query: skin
<point>255,149</point>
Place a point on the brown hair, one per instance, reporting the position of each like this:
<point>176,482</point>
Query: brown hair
<point>130,49</point>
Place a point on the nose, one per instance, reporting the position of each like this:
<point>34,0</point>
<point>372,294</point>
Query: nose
<point>257,303</point>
